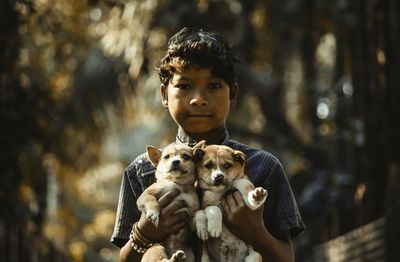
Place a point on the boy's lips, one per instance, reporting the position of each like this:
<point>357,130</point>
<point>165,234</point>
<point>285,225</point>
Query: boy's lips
<point>199,115</point>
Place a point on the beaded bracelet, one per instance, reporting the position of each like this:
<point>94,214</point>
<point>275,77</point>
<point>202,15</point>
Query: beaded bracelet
<point>139,242</point>
<point>137,248</point>
<point>148,243</point>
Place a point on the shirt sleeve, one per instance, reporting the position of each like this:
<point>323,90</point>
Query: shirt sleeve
<point>127,211</point>
<point>281,213</point>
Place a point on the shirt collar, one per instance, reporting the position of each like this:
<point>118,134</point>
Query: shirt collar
<point>183,138</point>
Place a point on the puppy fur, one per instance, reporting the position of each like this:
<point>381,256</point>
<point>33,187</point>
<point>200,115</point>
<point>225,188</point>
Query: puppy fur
<point>219,169</point>
<point>175,169</point>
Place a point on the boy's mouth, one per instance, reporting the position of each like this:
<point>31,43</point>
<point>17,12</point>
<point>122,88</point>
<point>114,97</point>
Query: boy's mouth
<point>199,115</point>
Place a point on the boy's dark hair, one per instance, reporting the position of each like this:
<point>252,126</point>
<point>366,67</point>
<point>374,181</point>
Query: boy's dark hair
<point>198,48</point>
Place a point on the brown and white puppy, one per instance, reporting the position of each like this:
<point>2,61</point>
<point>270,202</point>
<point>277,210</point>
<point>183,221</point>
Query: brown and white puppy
<point>175,169</point>
<point>219,169</point>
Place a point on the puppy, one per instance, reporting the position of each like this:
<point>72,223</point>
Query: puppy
<point>175,169</point>
<point>219,169</point>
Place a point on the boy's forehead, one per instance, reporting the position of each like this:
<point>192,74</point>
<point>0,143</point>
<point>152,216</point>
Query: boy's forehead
<point>188,73</point>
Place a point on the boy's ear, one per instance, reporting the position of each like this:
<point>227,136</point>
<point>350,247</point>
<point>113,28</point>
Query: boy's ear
<point>164,95</point>
<point>234,94</point>
<point>154,155</point>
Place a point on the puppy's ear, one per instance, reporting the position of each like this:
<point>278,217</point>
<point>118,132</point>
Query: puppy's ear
<point>201,144</point>
<point>239,156</point>
<point>198,154</point>
<point>154,155</point>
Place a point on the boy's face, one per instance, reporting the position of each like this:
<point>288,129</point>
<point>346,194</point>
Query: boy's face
<point>198,101</point>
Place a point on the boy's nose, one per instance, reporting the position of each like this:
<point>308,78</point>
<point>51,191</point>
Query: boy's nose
<point>198,101</point>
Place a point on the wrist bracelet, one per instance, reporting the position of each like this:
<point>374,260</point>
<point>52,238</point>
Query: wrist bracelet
<point>148,243</point>
<point>139,242</point>
<point>137,248</point>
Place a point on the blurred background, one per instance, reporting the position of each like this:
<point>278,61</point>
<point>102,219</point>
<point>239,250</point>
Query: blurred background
<point>79,101</point>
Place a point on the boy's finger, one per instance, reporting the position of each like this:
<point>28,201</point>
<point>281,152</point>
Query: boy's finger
<point>172,207</point>
<point>184,209</point>
<point>222,206</point>
<point>178,226</point>
<point>230,200</point>
<point>225,208</point>
<point>165,199</point>
<point>238,198</point>
<point>169,221</point>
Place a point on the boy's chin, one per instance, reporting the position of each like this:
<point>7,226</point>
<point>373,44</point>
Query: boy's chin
<point>201,130</point>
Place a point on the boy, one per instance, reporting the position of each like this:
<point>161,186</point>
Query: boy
<point>199,88</point>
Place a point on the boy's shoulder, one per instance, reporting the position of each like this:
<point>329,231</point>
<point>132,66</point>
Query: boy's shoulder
<point>141,164</point>
<point>262,167</point>
<point>252,152</point>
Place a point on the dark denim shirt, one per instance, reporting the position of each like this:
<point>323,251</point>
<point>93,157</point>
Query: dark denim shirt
<point>263,169</point>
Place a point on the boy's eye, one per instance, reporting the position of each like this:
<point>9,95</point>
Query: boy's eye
<point>186,157</point>
<point>227,165</point>
<point>183,86</point>
<point>209,165</point>
<point>214,86</point>
<point>166,156</point>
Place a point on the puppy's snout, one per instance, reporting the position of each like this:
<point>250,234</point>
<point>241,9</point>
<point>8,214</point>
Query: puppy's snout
<point>219,179</point>
<point>176,162</point>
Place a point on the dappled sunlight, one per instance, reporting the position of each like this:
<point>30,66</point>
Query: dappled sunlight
<point>96,183</point>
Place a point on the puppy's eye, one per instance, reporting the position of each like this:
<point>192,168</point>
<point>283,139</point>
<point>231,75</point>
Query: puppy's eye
<point>227,165</point>
<point>209,165</point>
<point>166,157</point>
<point>186,157</point>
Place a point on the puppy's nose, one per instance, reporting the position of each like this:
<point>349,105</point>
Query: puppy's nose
<point>176,162</point>
<point>219,179</point>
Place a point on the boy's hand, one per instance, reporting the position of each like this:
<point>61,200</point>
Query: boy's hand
<point>240,219</point>
<point>170,222</point>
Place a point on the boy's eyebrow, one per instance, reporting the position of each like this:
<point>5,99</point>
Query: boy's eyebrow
<point>180,79</point>
<point>183,78</point>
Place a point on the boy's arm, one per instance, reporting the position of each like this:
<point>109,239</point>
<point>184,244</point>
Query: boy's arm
<point>170,222</point>
<point>244,222</point>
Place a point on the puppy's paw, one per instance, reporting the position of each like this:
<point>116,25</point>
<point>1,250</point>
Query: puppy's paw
<point>200,222</point>
<point>214,221</point>
<point>214,229</point>
<point>178,256</point>
<point>153,216</point>
<point>202,232</point>
<point>257,197</point>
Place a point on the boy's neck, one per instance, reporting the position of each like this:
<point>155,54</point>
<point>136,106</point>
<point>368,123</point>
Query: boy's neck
<point>216,136</point>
